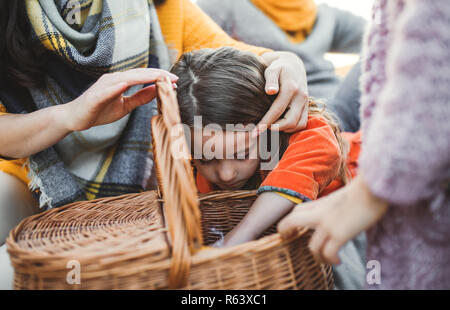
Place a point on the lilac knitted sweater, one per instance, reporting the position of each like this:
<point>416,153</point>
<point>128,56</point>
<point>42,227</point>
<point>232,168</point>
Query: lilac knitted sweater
<point>405,157</point>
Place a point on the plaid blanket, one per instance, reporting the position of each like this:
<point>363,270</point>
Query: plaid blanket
<point>93,37</point>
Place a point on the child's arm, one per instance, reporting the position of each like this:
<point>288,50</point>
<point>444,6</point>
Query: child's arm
<point>267,210</point>
<point>309,164</point>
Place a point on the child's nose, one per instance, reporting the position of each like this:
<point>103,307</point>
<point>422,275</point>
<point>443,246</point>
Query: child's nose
<point>226,171</point>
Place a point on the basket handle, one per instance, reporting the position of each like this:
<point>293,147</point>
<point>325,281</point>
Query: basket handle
<point>176,183</point>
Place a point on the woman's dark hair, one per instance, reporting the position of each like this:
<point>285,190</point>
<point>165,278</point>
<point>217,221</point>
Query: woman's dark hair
<point>21,61</point>
<point>227,86</point>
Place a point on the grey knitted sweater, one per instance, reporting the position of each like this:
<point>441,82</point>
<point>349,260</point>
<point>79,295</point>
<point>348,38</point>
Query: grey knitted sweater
<point>334,31</point>
<point>405,157</point>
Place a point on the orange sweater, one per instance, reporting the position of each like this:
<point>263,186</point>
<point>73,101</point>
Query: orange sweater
<point>185,28</point>
<point>309,167</point>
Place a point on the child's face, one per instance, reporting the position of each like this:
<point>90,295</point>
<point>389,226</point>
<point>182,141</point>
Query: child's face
<point>228,160</point>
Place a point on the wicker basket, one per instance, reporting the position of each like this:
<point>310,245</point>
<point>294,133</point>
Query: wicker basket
<point>143,241</point>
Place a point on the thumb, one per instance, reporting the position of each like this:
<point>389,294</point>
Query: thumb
<point>102,97</point>
<point>107,94</point>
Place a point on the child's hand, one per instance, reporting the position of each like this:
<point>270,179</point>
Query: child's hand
<point>336,219</point>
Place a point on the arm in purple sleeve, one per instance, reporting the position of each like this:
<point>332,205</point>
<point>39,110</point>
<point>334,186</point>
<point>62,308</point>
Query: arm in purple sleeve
<point>406,152</point>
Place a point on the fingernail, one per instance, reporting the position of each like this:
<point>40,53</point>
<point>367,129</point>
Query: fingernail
<point>174,85</point>
<point>272,90</point>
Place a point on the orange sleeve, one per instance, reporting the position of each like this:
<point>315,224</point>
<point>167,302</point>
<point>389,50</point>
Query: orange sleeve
<point>354,141</point>
<point>203,185</point>
<point>186,28</point>
<point>310,163</point>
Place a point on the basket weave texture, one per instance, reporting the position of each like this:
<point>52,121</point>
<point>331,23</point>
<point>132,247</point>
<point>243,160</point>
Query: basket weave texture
<point>156,239</point>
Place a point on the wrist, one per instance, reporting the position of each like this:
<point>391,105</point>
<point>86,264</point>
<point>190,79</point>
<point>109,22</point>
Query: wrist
<point>373,202</point>
<point>60,116</point>
<point>236,237</point>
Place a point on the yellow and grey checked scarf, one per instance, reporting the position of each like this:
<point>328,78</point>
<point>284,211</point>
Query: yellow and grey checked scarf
<point>88,38</point>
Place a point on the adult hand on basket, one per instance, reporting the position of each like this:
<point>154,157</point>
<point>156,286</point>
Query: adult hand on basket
<point>336,218</point>
<point>104,102</point>
<point>285,75</point>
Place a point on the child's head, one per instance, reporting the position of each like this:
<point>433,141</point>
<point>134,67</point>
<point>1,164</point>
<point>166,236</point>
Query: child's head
<point>225,87</point>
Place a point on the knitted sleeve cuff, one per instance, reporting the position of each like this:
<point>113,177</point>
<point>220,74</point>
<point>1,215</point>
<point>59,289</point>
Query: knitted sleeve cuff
<point>288,192</point>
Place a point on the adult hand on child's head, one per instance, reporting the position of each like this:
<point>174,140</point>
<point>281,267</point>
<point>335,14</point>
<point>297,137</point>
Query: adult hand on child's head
<point>286,76</point>
<point>104,103</point>
<point>336,218</point>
